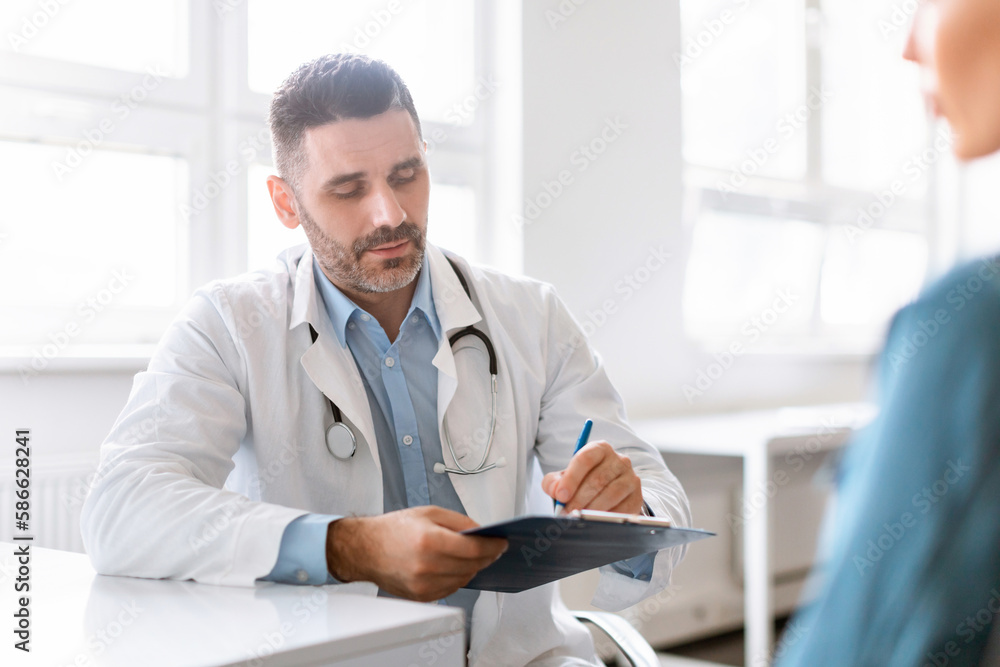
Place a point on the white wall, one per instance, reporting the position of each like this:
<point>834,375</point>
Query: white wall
<point>69,413</point>
<point>613,60</point>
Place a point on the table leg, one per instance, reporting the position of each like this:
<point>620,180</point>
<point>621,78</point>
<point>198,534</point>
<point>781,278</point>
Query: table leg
<point>757,580</point>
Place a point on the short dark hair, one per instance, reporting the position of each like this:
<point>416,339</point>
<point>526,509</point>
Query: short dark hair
<point>331,88</point>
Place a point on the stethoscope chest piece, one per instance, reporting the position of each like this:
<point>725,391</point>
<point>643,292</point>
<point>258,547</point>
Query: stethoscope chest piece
<point>340,441</point>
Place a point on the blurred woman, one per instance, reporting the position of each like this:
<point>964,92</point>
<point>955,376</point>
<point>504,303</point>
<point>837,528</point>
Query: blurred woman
<point>909,569</point>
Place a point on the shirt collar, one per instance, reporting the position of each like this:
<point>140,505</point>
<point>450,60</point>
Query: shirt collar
<point>340,308</point>
<point>423,298</point>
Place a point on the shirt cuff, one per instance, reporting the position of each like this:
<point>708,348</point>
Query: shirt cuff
<point>302,554</point>
<point>638,567</point>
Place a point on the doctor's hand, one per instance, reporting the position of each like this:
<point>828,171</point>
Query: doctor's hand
<point>416,553</point>
<point>597,478</point>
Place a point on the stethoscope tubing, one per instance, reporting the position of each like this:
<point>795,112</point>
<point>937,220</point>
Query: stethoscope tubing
<point>342,443</point>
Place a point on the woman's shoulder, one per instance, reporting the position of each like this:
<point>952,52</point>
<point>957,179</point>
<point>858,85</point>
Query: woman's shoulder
<point>964,285</point>
<point>956,315</point>
<point>973,285</point>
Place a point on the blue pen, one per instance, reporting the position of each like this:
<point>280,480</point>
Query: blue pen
<point>584,436</point>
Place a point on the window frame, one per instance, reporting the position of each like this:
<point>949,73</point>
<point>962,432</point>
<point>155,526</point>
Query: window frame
<point>813,200</point>
<point>203,118</point>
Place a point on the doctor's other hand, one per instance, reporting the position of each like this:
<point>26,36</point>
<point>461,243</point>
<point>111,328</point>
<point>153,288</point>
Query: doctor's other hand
<point>416,553</point>
<point>597,478</point>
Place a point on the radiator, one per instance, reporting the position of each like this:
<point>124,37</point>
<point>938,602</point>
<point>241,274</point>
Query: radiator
<point>58,489</point>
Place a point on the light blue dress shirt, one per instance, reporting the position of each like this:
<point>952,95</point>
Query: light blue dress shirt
<point>401,383</point>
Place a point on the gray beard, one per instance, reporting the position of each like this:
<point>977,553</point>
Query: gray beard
<point>344,263</point>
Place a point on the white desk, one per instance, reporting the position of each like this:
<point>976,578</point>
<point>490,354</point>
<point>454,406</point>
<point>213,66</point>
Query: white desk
<point>758,437</point>
<point>82,619</point>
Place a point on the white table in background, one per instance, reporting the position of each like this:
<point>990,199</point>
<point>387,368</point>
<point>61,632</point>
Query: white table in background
<point>757,437</point>
<point>82,619</point>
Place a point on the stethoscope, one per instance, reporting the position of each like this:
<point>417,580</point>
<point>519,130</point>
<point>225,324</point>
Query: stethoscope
<point>340,438</point>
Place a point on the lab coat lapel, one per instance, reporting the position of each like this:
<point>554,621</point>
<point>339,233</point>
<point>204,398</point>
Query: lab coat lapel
<point>328,364</point>
<point>486,496</point>
<point>455,311</point>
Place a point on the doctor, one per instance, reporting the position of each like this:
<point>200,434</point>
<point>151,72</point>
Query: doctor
<point>323,421</point>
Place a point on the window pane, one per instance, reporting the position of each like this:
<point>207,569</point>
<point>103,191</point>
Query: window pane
<point>110,230</point>
<point>867,278</point>
<point>743,85</point>
<point>430,43</point>
<point>118,34</point>
<point>740,265</point>
<point>451,220</point>
<point>875,121</point>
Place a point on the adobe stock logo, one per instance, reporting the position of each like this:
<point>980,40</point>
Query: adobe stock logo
<point>968,630</point>
<point>752,330</point>
<point>31,25</point>
<point>894,533</point>
<point>582,158</point>
<point>88,310</point>
<point>365,34</point>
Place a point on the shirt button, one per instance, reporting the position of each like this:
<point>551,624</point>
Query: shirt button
<point>365,317</point>
<point>390,362</point>
<point>414,319</point>
<point>351,325</point>
<point>302,575</point>
<point>407,439</point>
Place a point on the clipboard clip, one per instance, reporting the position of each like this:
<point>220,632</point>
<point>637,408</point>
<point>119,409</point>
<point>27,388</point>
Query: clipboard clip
<point>617,517</point>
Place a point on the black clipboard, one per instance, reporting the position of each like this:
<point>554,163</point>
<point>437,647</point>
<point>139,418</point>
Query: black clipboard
<point>546,548</point>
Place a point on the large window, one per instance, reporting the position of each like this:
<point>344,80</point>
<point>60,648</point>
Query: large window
<point>808,174</point>
<point>120,35</point>
<point>429,42</point>
<point>134,148</point>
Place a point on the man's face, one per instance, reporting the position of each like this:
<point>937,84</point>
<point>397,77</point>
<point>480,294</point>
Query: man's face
<point>362,201</point>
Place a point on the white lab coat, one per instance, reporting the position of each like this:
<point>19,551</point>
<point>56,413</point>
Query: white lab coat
<point>221,444</point>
